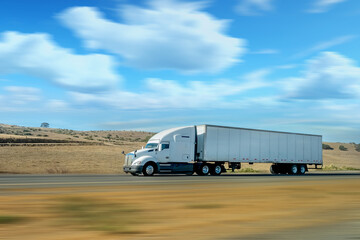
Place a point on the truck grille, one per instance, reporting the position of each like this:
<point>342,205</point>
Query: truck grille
<point>128,159</point>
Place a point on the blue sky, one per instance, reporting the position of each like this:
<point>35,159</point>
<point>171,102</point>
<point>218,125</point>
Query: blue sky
<point>151,65</point>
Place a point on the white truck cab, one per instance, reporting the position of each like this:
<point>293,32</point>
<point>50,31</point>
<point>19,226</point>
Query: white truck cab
<point>170,151</point>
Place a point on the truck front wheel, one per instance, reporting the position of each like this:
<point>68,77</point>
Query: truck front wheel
<point>148,169</point>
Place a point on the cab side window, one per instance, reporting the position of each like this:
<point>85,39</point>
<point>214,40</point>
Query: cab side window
<point>165,146</point>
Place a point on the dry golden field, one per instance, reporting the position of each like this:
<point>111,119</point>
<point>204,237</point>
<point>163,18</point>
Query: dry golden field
<point>101,151</point>
<point>63,159</point>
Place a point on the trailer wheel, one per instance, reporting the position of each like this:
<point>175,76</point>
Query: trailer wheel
<point>216,171</point>
<point>302,169</point>
<point>203,170</point>
<point>148,169</point>
<point>274,169</point>
<point>293,169</point>
<point>281,169</point>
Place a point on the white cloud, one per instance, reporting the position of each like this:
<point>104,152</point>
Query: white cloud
<point>37,55</point>
<point>22,95</point>
<point>343,106</point>
<point>168,35</point>
<point>57,105</point>
<point>29,99</point>
<point>19,99</point>
<point>286,66</point>
<point>147,124</point>
<point>171,94</point>
<point>320,6</point>
<point>325,45</point>
<point>254,7</point>
<point>265,51</point>
<point>327,76</point>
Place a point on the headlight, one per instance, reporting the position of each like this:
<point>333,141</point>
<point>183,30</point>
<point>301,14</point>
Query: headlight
<point>137,163</point>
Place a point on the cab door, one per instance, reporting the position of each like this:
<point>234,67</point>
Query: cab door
<point>163,153</point>
<point>183,149</point>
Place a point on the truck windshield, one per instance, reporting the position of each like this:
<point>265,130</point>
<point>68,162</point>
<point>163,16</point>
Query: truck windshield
<point>151,145</point>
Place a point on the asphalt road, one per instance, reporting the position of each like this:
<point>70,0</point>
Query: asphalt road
<point>17,181</point>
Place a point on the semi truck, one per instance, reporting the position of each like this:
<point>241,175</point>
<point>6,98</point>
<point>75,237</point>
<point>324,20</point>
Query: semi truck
<point>210,149</point>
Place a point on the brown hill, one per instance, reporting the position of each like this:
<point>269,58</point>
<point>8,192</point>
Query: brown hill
<point>16,134</point>
<point>337,157</point>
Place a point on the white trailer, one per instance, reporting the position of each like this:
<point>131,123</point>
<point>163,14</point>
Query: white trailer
<point>206,149</point>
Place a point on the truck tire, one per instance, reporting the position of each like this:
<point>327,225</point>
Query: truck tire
<point>274,169</point>
<point>280,169</point>
<point>293,169</point>
<point>204,169</point>
<point>149,169</point>
<point>216,170</point>
<point>302,169</point>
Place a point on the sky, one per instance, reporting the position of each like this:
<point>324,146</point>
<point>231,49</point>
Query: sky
<point>151,65</point>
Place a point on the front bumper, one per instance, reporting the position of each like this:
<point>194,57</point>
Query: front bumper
<point>133,169</point>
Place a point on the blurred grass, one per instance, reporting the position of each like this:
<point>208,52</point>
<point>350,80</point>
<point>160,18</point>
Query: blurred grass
<point>7,219</point>
<point>204,206</point>
<point>332,167</point>
<point>99,215</point>
<point>245,170</point>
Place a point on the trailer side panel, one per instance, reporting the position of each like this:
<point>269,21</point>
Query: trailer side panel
<point>226,144</point>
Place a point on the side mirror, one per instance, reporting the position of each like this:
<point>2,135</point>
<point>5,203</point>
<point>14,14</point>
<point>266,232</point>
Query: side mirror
<point>123,153</point>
